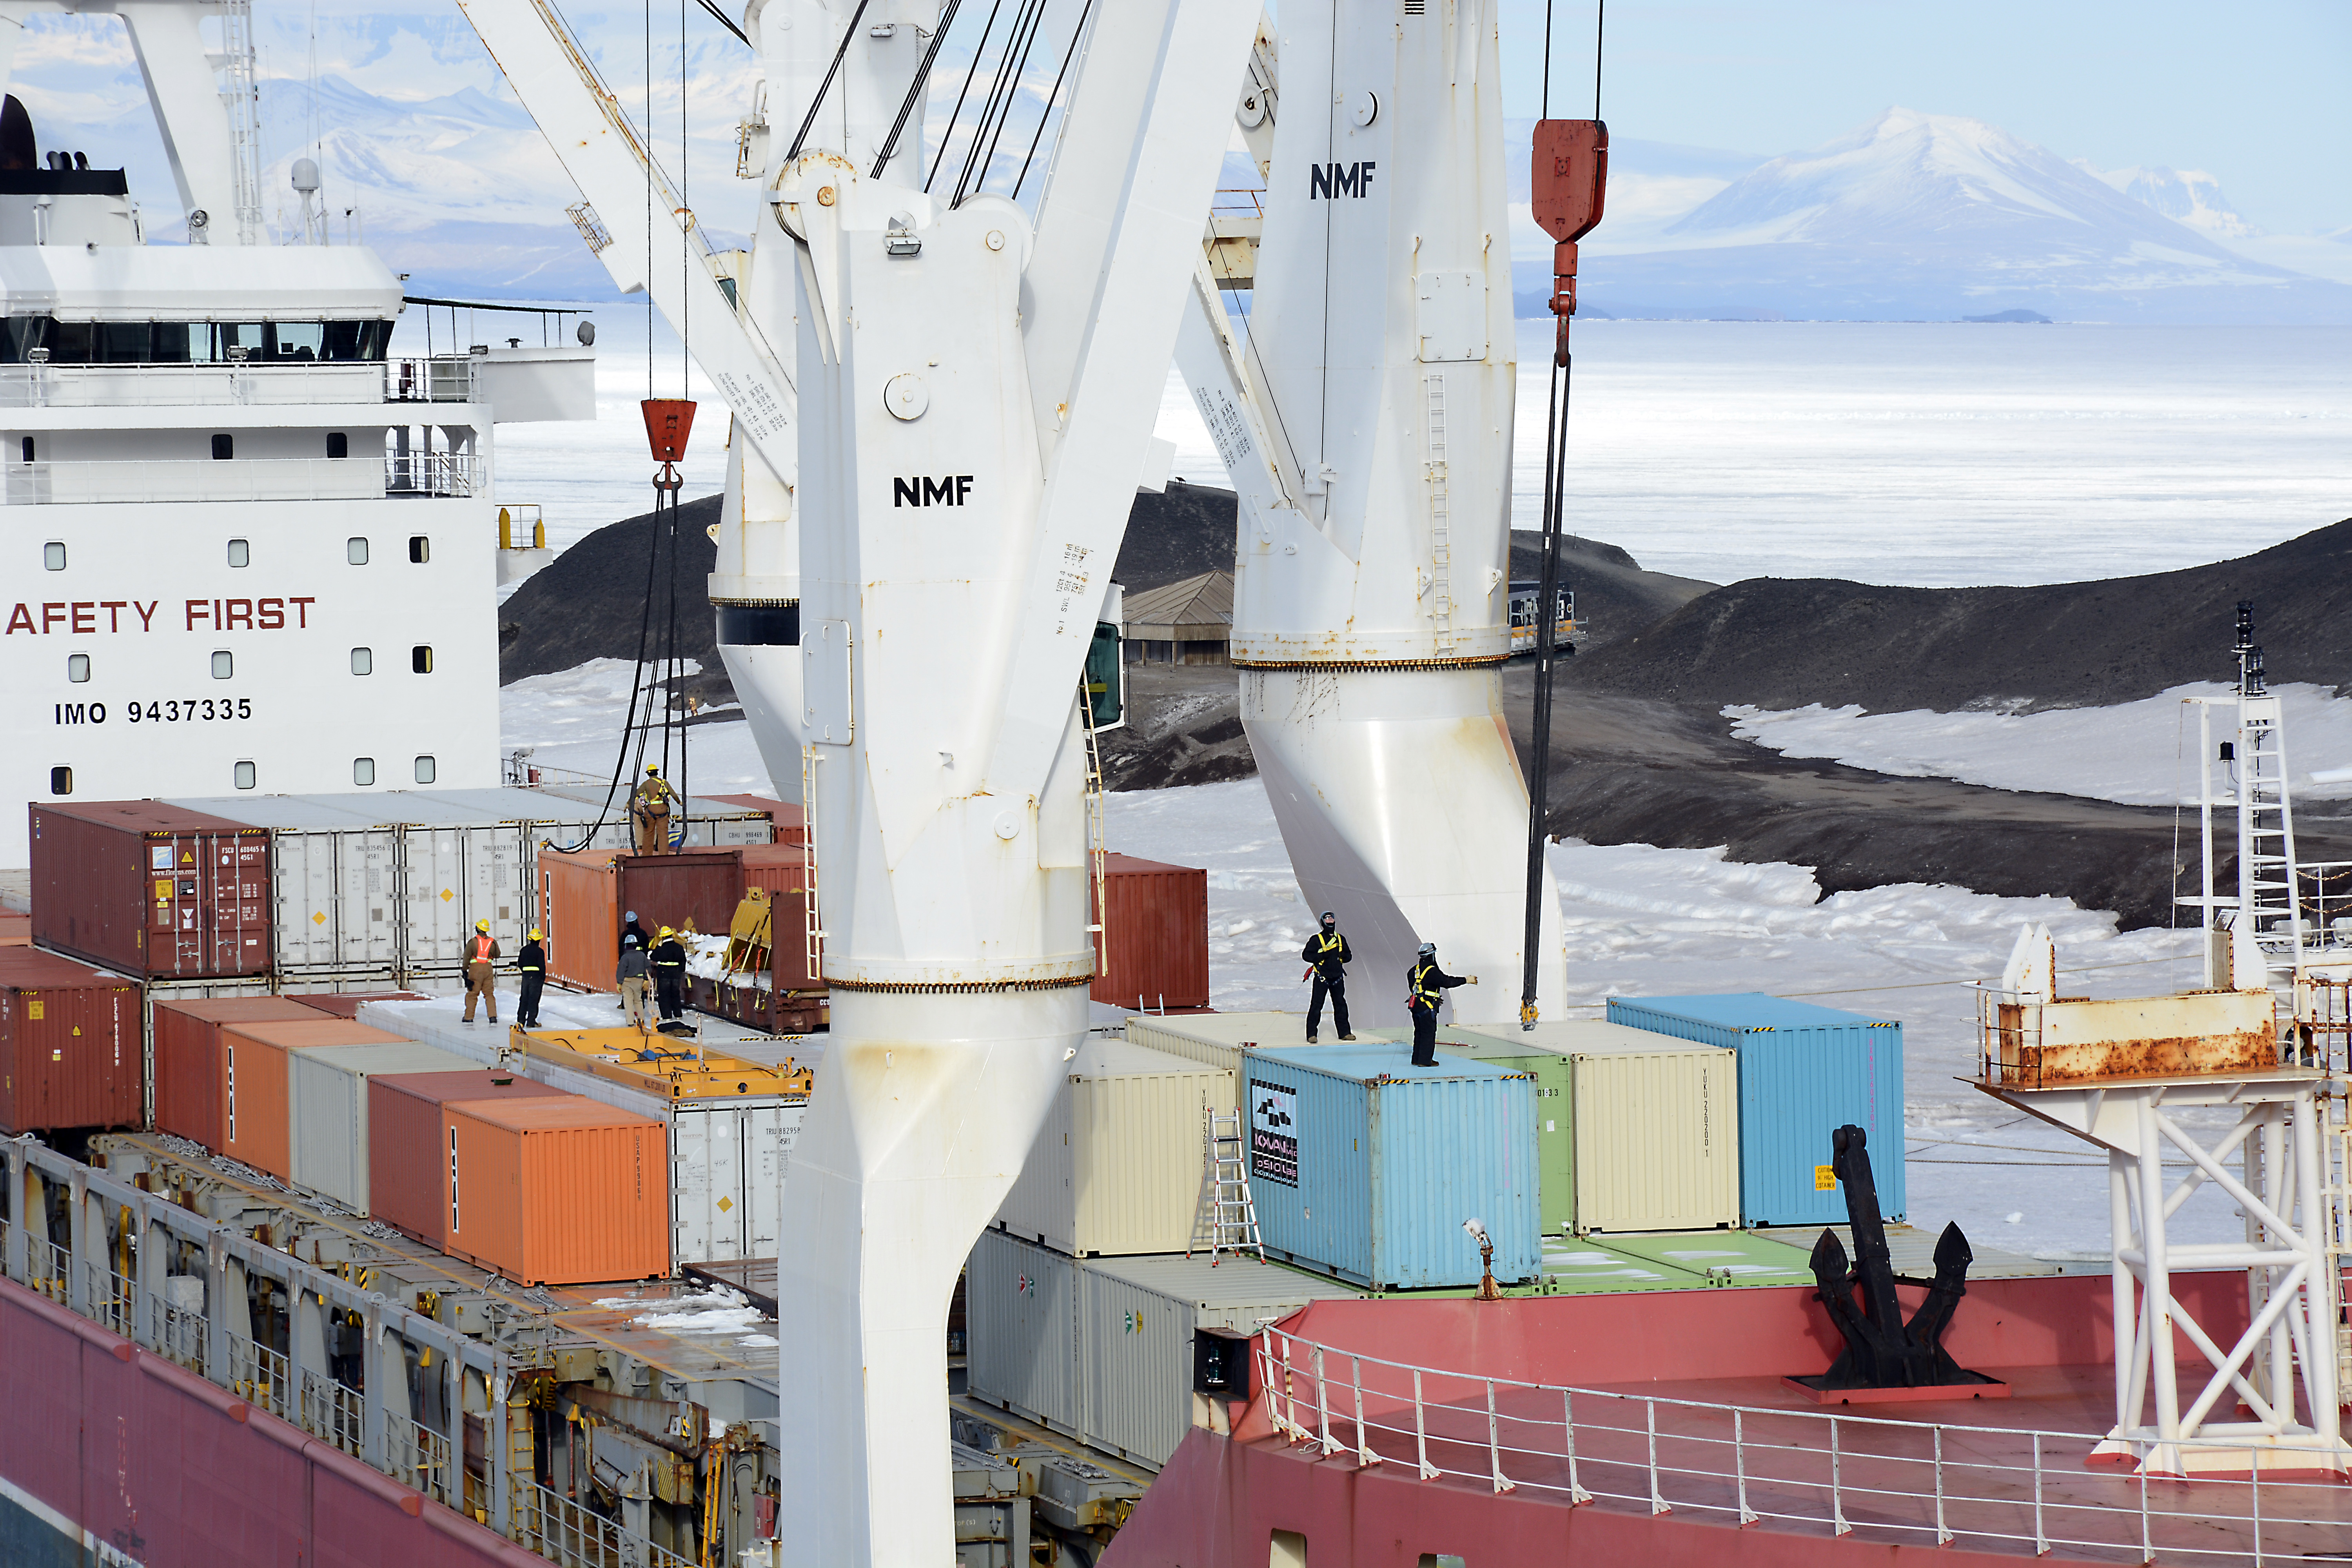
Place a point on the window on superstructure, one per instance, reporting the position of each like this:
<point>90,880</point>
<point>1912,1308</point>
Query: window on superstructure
<point>240,552</point>
<point>61,781</point>
<point>362,661</point>
<point>224,448</point>
<point>296,340</point>
<point>53,555</point>
<point>363,770</point>
<point>28,449</point>
<point>356,552</point>
<point>356,340</point>
<point>123,342</point>
<point>338,444</point>
<point>78,667</point>
<point>420,658</point>
<point>420,549</point>
<point>224,665</point>
<point>427,771</point>
<point>250,336</point>
<point>242,775</point>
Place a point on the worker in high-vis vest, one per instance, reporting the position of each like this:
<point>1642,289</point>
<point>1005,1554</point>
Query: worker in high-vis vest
<point>1328,955</point>
<point>1426,985</point>
<point>481,976</point>
<point>531,964</point>
<point>651,806</point>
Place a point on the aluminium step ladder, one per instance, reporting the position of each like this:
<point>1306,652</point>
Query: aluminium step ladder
<point>1226,1220</point>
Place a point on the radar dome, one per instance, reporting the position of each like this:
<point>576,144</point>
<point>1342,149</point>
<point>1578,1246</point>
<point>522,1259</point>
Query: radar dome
<point>305,176</point>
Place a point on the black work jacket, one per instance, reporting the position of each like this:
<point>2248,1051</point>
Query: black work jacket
<point>669,961</point>
<point>532,958</point>
<point>1427,984</point>
<point>1328,954</point>
<point>634,929</point>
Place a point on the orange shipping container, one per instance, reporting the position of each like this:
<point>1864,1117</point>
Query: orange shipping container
<point>782,869</point>
<point>1155,924</point>
<point>189,1071</point>
<point>255,1112</point>
<point>559,1191</point>
<point>580,917</point>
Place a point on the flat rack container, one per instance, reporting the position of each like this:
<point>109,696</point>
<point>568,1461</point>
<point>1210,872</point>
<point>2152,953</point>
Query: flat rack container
<point>1117,1169</point>
<point>1632,1132</point>
<point>257,1110</point>
<point>1102,1350</point>
<point>409,1190</point>
<point>150,888</point>
<point>327,1100</point>
<point>70,1048</point>
<point>556,1190</point>
<point>1804,1071</point>
<point>189,1081</point>
<point>1365,1166</point>
<point>1217,1038</point>
<point>1155,937</point>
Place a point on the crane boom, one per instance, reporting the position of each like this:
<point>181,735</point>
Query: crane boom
<point>616,174</point>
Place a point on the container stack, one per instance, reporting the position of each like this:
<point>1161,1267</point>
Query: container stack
<point>69,1051</point>
<point>1804,1071</point>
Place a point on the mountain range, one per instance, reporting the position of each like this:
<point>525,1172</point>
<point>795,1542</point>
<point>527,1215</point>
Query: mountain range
<point>1911,216</point>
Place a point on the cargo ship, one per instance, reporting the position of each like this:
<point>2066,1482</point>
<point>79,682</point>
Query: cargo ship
<point>935,1216</point>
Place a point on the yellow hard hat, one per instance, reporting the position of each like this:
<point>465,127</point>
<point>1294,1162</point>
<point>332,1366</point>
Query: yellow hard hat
<point>652,767</point>
<point>666,931</point>
<point>481,925</point>
<point>534,933</point>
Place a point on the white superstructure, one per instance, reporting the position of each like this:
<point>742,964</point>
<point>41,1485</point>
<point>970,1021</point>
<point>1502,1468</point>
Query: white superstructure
<point>1365,414</point>
<point>247,549</point>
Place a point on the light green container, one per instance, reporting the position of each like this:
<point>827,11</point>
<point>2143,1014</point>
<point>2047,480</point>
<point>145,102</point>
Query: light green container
<point>1555,1122</point>
<point>1723,1257</point>
<point>1575,1267</point>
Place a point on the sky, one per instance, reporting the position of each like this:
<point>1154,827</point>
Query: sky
<point>2251,93</point>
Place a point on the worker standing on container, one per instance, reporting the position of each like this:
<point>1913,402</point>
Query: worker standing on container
<point>481,976</point>
<point>670,976</point>
<point>531,964</point>
<point>1328,955</point>
<point>1427,985</point>
<point>652,810</point>
<point>632,968</point>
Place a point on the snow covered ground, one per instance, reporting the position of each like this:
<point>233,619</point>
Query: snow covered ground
<point>1638,920</point>
<point>2141,753</point>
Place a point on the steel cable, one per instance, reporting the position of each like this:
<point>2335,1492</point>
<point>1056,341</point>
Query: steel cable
<point>915,90</point>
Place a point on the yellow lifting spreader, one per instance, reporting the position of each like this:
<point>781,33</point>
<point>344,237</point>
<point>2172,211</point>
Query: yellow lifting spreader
<point>660,1066</point>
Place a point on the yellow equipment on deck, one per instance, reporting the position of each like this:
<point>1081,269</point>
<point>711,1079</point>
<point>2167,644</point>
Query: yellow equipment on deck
<point>660,1066</point>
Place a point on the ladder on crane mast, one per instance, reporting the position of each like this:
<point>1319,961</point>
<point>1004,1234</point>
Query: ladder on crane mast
<point>1226,1220</point>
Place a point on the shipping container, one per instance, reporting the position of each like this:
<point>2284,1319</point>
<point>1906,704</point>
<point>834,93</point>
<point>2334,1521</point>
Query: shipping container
<point>188,1075</point>
<point>347,1004</point>
<point>1118,1167</point>
<point>782,869</point>
<point>694,889</point>
<point>708,821</point>
<point>1727,1257</point>
<point>727,1176</point>
<point>327,1105</point>
<point>1584,1267</point>
<point>1155,935</point>
<point>556,1190</point>
<point>16,928</point>
<point>1217,1038</point>
<point>150,888</point>
<point>787,822</point>
<point>408,1190</point>
<point>1103,1349</point>
<point>1804,1072</point>
<point>69,1048</point>
<point>1632,1134</point>
<point>579,914</point>
<point>257,1111</point>
<point>1365,1166</point>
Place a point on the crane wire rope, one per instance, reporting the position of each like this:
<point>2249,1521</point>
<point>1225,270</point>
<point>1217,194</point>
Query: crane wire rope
<point>915,90</point>
<point>1547,607</point>
<point>1069,55</point>
<point>963,92</point>
<point>1003,90</point>
<point>816,103</point>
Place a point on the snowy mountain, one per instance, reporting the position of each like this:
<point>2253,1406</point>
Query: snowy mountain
<point>1919,217</point>
<point>2186,196</point>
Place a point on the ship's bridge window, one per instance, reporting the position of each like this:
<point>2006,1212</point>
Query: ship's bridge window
<point>296,340</point>
<point>197,343</point>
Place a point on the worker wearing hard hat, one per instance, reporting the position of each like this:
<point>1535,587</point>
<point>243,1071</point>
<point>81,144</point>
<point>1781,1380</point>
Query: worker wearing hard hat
<point>531,964</point>
<point>670,976</point>
<point>1426,985</point>
<point>481,976</point>
<point>1326,955</point>
<point>632,968</point>
<point>651,806</point>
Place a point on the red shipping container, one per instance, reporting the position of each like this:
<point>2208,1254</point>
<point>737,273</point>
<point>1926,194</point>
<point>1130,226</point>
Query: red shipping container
<point>150,889</point>
<point>69,1046</point>
<point>789,823</point>
<point>347,1004</point>
<point>256,1115</point>
<point>783,870</point>
<point>580,921</point>
<point>693,886</point>
<point>188,1073</point>
<point>408,1172</point>
<point>1155,936</point>
<point>559,1191</point>
<point>15,930</point>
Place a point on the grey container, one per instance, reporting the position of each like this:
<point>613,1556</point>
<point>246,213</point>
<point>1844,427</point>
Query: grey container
<point>1804,1071</point>
<point>327,1112</point>
<point>1365,1166</point>
<point>1103,1349</point>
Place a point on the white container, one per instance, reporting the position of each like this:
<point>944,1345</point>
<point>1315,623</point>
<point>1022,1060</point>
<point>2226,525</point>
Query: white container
<point>1217,1039</point>
<point>1118,1166</point>
<point>327,1112</point>
<point>1103,1349</point>
<point>727,1154</point>
<point>1655,1122</point>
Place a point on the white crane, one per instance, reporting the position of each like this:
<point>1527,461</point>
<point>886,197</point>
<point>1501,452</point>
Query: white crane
<point>1365,415</point>
<point>979,399</point>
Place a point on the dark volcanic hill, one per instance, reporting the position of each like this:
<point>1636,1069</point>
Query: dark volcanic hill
<point>590,602</point>
<point>1784,642</point>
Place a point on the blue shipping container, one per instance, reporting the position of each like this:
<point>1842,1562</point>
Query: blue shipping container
<point>1365,1166</point>
<point>1804,1072</point>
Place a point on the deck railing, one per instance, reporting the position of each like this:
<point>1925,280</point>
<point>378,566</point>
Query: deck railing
<point>1988,1488</point>
<point>564,1531</point>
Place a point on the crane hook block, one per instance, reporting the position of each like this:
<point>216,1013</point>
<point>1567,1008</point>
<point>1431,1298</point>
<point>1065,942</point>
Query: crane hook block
<point>668,420</point>
<point>1567,182</point>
